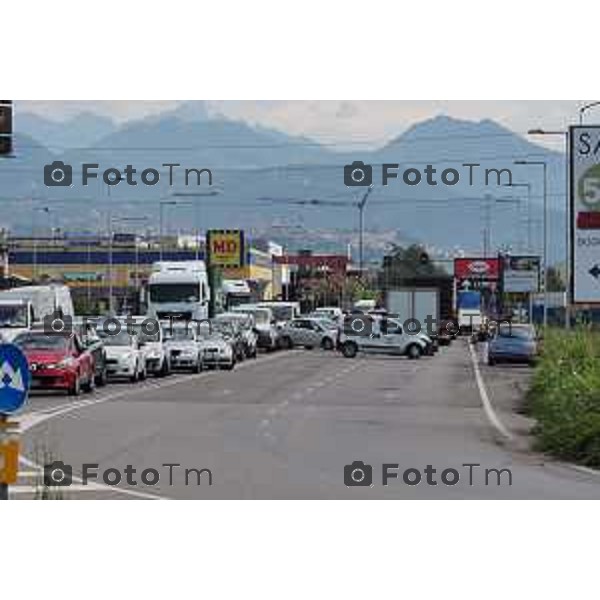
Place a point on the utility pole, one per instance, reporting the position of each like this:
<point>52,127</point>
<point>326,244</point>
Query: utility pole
<point>544,165</point>
<point>361,209</point>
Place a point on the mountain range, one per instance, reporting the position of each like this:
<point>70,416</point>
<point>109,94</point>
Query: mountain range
<point>289,187</point>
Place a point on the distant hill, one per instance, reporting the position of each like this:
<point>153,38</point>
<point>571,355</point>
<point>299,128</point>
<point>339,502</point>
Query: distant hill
<point>82,130</point>
<point>263,175</point>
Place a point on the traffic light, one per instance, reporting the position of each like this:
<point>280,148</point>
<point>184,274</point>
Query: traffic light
<point>6,127</point>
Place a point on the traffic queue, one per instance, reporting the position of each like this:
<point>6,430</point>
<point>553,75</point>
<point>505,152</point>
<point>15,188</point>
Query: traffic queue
<point>76,355</point>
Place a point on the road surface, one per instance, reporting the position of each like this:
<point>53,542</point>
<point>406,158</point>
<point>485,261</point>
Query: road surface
<point>285,425</point>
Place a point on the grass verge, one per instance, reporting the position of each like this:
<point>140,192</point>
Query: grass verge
<point>564,397</point>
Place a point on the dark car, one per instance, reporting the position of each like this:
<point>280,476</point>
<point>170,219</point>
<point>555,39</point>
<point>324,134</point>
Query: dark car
<point>513,343</point>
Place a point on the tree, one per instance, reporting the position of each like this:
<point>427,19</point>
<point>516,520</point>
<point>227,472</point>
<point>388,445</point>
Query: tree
<point>403,264</point>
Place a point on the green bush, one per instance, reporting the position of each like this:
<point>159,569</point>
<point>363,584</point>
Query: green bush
<point>564,396</point>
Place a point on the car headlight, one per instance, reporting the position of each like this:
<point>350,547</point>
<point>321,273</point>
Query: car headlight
<point>62,364</point>
<point>154,354</point>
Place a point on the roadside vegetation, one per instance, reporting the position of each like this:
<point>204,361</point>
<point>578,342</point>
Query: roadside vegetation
<point>565,396</point>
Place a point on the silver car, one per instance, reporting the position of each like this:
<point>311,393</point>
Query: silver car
<point>184,350</point>
<point>310,333</point>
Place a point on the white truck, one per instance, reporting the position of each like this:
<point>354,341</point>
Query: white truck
<point>235,292</point>
<point>179,289</point>
<point>26,306</point>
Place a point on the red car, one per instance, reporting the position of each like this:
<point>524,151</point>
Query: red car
<point>57,362</point>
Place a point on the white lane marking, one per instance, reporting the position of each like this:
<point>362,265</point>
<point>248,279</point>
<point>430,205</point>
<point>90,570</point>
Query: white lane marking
<point>98,487</point>
<point>485,399</point>
<point>30,420</point>
<point>32,489</point>
<point>30,474</point>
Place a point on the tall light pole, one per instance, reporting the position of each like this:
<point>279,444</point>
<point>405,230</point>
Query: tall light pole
<point>215,192</point>
<point>140,219</point>
<point>44,209</point>
<point>583,109</point>
<point>361,209</point>
<point>161,205</point>
<point>543,164</point>
<point>565,135</point>
<point>487,230</point>
<point>528,187</point>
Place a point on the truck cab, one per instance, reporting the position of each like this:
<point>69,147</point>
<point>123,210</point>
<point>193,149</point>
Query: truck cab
<point>179,289</point>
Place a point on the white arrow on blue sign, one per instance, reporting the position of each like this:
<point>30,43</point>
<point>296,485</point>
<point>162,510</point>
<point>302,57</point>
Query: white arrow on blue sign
<point>14,378</point>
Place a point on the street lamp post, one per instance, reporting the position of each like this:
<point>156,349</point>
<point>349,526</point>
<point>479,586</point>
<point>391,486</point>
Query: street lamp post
<point>528,187</point>
<point>141,219</point>
<point>487,229</point>
<point>583,109</point>
<point>565,134</point>
<point>45,209</point>
<point>361,209</point>
<point>543,164</point>
<point>196,211</point>
<point>162,204</point>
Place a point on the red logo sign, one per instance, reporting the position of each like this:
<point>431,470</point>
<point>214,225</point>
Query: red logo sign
<point>477,268</point>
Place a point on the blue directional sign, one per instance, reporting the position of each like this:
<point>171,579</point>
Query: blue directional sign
<point>14,378</point>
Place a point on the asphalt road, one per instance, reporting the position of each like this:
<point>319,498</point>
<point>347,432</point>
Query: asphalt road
<point>285,425</point>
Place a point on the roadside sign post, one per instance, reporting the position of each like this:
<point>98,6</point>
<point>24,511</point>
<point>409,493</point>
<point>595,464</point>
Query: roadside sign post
<point>584,146</point>
<point>14,389</point>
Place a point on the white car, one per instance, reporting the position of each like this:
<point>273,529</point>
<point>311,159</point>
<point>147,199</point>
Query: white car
<point>244,322</point>
<point>123,355</point>
<point>217,352</point>
<point>310,333</point>
<point>391,339</point>
<point>150,336</point>
<point>264,325</point>
<point>183,347</point>
<point>335,313</point>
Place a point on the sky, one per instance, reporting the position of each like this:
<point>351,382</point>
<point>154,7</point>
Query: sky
<point>343,123</point>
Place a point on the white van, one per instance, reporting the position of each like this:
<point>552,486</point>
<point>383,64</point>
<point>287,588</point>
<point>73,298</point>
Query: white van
<point>23,307</point>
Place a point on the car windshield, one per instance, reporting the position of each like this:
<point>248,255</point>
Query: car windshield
<point>174,292</point>
<point>327,323</point>
<point>222,327</point>
<point>115,339</point>
<point>519,333</point>
<point>282,313</point>
<point>13,316</point>
<point>30,341</point>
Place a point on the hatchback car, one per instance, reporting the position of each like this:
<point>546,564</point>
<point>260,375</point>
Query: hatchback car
<point>513,343</point>
<point>58,362</point>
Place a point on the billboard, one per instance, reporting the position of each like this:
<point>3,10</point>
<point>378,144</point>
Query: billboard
<point>487,269</point>
<point>521,273</point>
<point>226,248</point>
<point>584,146</point>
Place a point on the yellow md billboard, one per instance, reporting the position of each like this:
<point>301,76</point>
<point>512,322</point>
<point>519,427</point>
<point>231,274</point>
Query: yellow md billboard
<point>226,248</point>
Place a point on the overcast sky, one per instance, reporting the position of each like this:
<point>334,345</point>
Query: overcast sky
<point>341,122</point>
